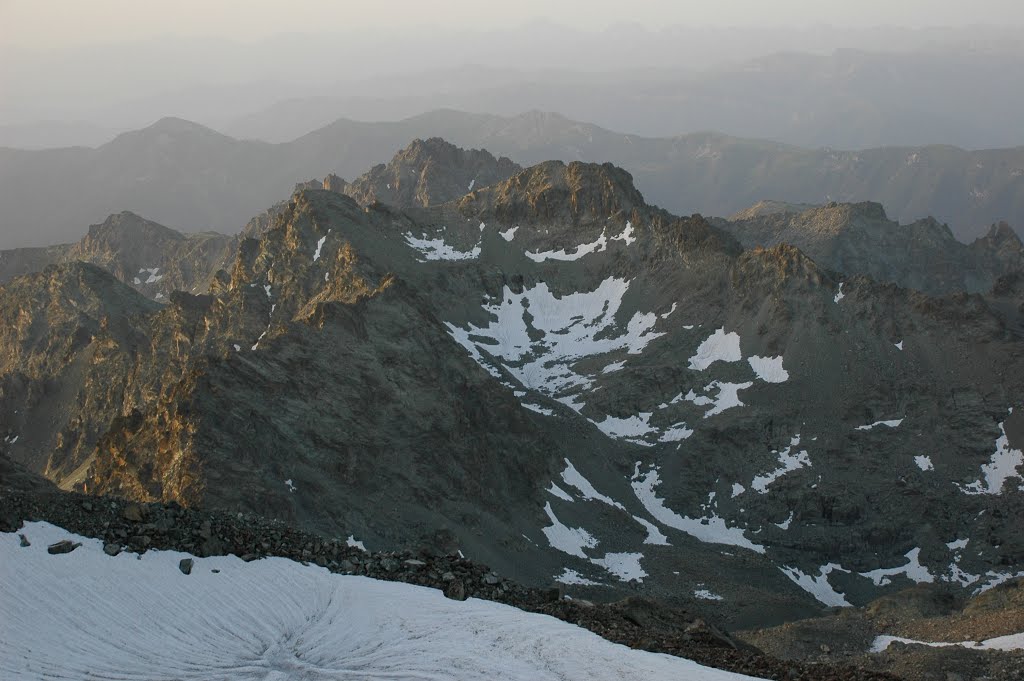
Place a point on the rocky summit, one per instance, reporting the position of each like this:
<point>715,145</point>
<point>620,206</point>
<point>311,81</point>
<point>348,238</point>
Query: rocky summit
<point>153,259</point>
<point>538,369</point>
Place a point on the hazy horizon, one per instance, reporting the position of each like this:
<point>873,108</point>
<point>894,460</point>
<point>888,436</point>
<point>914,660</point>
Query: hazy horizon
<point>47,25</point>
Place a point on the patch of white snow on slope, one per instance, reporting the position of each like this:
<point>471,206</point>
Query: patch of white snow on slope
<point>676,433</point>
<point>574,478</point>
<point>565,330</point>
<point>1005,643</point>
<point>509,233</point>
<point>578,252</point>
<point>320,246</point>
<point>537,408</point>
<point>819,586</point>
<point>769,369</point>
<point>573,578</point>
<point>788,463</point>
<point>890,424</point>
<point>632,428</point>
<point>707,595</point>
<point>719,346</point>
<point>625,566</point>
<point>712,529</point>
<point>839,295</point>
<point>557,491</point>
<point>728,397</point>
<point>571,540</point>
<point>913,570</point>
<point>1003,466</point>
<point>924,463</point>
<point>437,249</point>
<point>613,367</point>
<point>354,543</point>
<point>77,615</point>
<point>655,536</point>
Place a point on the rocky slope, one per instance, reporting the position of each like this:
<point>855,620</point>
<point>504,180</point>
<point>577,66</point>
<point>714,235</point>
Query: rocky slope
<point>861,239</point>
<point>182,174</point>
<point>151,258</point>
<point>563,381</point>
<point>921,633</point>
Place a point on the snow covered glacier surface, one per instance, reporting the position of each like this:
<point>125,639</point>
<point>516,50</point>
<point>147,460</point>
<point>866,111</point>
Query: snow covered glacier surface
<point>85,614</point>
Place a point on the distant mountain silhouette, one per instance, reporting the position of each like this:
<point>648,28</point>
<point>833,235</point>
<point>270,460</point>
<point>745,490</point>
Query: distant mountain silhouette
<point>193,178</point>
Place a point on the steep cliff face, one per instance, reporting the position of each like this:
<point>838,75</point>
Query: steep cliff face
<point>68,341</point>
<point>570,385</point>
<point>860,239</point>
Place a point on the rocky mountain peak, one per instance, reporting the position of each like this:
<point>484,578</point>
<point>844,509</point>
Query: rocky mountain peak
<point>573,193</point>
<point>426,173</point>
<point>770,269</point>
<point>1003,239</point>
<point>127,225</point>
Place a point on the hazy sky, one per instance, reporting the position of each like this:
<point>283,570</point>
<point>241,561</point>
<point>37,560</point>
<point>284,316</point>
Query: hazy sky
<point>78,22</point>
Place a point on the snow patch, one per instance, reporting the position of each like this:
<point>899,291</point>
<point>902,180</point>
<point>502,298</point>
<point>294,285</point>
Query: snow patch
<point>788,463</point>
<point>154,275</point>
<point>437,249</point>
<point>276,619</point>
<point>537,408</point>
<point>614,366</point>
<point>913,570</point>
<point>719,346</point>
<point>353,543</point>
<point>564,331</point>
<point>1003,466</point>
<point>625,566</point>
<point>819,586</point>
<point>320,246</point>
<point>1005,643</point>
<point>573,578</point>
<point>631,428</point>
<point>559,492</point>
<point>839,295</point>
<point>654,535</point>
<point>290,485</point>
<point>889,424</point>
<point>571,540</point>
<point>509,234</point>
<point>706,595</point>
<point>712,528</point>
<point>728,397</point>
<point>601,244</point>
<point>784,525</point>
<point>769,369</point>
<point>574,478</point>
<point>924,463</point>
<point>676,433</point>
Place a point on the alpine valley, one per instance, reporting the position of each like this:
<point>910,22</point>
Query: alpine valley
<point>775,422</point>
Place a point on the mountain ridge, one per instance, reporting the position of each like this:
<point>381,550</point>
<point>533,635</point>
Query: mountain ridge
<point>695,173</point>
<point>479,368</point>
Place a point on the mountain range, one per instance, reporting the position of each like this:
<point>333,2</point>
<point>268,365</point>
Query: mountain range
<point>195,179</point>
<point>541,369</point>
